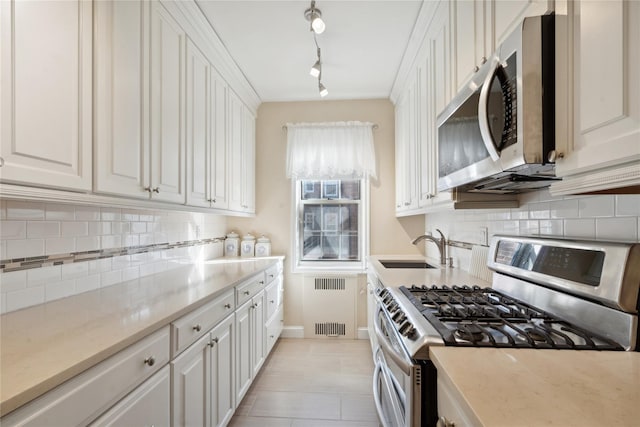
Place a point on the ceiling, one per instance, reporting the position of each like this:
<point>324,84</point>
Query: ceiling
<point>362,46</point>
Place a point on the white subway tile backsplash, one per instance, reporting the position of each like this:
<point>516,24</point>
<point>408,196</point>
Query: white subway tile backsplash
<point>38,276</point>
<point>599,206</point>
<point>13,229</point>
<point>130,214</point>
<point>138,227</point>
<point>74,228</point>
<point>100,265</point>
<point>90,243</point>
<point>623,229</point>
<point>3,209</point>
<point>584,228</point>
<point>57,290</point>
<point>99,228</point>
<point>529,228</point>
<point>564,208</point>
<point>110,242</point>
<point>24,248</point>
<point>17,209</point>
<point>59,212</point>
<point>60,245</point>
<point>42,229</point>
<point>87,213</point>
<point>109,278</point>
<point>24,298</point>
<point>74,270</point>
<point>539,210</point>
<point>552,227</point>
<point>628,205</point>
<point>13,281</point>
<point>130,273</point>
<point>88,283</point>
<point>110,214</point>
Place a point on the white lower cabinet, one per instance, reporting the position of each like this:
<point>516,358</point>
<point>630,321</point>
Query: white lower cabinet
<point>148,405</point>
<point>83,398</point>
<point>250,344</point>
<point>202,379</point>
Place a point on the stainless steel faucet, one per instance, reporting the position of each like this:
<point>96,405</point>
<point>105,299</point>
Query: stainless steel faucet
<point>441,243</point>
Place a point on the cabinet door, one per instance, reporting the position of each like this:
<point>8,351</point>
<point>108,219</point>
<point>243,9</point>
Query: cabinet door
<point>198,118</point>
<point>400,148</point>
<point>46,87</point>
<point>507,14</point>
<point>219,145</point>
<point>167,107</point>
<point>248,162</point>
<point>599,91</point>
<point>470,39</point>
<point>191,386</point>
<point>258,333</point>
<point>121,163</point>
<point>234,128</point>
<point>243,350</point>
<point>222,370</point>
<point>439,42</point>
<point>148,405</point>
<point>427,142</point>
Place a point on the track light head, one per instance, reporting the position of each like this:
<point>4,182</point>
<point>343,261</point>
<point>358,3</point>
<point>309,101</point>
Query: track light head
<point>314,16</point>
<point>316,69</point>
<point>323,90</point>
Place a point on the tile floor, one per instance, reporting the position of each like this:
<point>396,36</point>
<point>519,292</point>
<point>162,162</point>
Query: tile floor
<point>312,383</point>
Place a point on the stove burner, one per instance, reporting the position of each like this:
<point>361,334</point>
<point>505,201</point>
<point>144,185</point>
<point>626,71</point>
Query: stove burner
<point>469,332</point>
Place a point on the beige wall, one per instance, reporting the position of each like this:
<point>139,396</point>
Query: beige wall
<point>389,235</point>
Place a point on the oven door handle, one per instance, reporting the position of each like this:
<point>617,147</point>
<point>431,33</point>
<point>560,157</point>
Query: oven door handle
<point>402,363</point>
<point>376,395</point>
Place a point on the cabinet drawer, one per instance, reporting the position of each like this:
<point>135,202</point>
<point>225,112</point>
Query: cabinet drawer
<point>148,405</point>
<point>192,326</point>
<point>84,397</point>
<point>272,272</point>
<point>274,329</point>
<point>272,293</point>
<point>245,291</point>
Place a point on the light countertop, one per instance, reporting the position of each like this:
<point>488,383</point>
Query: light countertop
<point>511,387</point>
<point>44,345</point>
<point>441,275</point>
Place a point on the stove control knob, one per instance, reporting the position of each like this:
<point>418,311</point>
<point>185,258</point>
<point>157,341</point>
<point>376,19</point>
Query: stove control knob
<point>407,329</point>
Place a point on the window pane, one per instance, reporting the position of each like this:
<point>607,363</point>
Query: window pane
<point>330,232</point>
<point>350,190</point>
<point>330,189</point>
<point>310,189</point>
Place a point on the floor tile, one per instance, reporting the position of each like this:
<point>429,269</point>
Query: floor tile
<point>296,405</point>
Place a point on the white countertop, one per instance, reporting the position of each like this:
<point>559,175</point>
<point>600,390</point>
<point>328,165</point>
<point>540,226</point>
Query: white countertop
<point>521,387</point>
<point>44,345</point>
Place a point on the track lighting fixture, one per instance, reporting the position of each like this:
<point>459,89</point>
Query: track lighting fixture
<point>314,16</point>
<point>317,67</point>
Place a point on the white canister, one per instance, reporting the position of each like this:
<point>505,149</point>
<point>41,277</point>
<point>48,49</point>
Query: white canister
<point>263,246</point>
<point>247,245</point>
<point>232,244</point>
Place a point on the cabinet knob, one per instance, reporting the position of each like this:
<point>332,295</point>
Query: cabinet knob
<point>147,189</point>
<point>150,361</point>
<point>227,306</point>
<point>261,282</point>
<point>443,422</point>
<point>407,203</point>
<point>197,328</point>
<point>246,292</point>
<point>213,200</point>
<point>156,190</point>
<point>483,60</point>
<point>475,69</point>
<point>272,302</point>
<point>213,342</point>
<point>553,155</point>
<point>1,162</point>
<point>271,275</point>
<point>271,336</point>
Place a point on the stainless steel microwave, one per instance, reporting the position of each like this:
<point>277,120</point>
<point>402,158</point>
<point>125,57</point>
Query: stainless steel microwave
<point>497,133</point>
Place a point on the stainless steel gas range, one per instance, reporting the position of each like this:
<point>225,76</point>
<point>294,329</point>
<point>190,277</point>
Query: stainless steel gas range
<point>547,294</point>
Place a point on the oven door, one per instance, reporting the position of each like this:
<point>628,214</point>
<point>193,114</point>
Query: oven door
<point>397,390</point>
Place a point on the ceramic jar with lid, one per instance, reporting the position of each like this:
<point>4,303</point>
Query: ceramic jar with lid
<point>232,244</point>
<point>247,245</point>
<point>263,246</point>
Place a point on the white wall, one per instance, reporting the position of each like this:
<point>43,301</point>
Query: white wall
<point>34,229</point>
<point>602,217</point>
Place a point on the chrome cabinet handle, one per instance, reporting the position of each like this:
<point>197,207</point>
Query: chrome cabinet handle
<point>150,361</point>
<point>246,292</point>
<point>197,328</point>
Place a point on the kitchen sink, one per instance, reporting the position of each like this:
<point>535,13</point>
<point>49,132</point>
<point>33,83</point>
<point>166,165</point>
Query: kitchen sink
<point>405,264</point>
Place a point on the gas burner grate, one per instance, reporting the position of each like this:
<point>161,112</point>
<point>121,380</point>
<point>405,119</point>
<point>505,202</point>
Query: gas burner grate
<point>483,317</point>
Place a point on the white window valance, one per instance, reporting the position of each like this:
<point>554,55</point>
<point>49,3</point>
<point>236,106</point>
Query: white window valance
<point>330,150</point>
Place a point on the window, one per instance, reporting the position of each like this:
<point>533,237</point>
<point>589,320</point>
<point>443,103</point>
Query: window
<point>331,224</point>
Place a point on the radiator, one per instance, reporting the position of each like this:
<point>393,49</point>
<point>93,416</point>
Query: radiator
<point>330,306</point>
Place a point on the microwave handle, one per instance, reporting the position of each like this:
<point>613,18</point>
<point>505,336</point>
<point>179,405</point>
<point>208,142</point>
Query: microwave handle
<point>483,114</point>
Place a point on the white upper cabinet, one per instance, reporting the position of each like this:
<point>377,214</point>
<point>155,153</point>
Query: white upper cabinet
<point>598,96</point>
<point>167,107</point>
<point>219,152</point>
<point>198,127</point>
<point>471,38</point>
<point>507,14</point>
<point>241,139</point>
<point>45,88</point>
<point>121,98</point>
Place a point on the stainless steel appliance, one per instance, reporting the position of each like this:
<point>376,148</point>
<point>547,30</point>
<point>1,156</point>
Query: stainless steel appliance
<point>546,294</point>
<point>497,134</point>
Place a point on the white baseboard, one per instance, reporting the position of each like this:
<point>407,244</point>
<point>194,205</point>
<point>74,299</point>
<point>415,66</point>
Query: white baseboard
<point>363,333</point>
<point>292,332</point>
